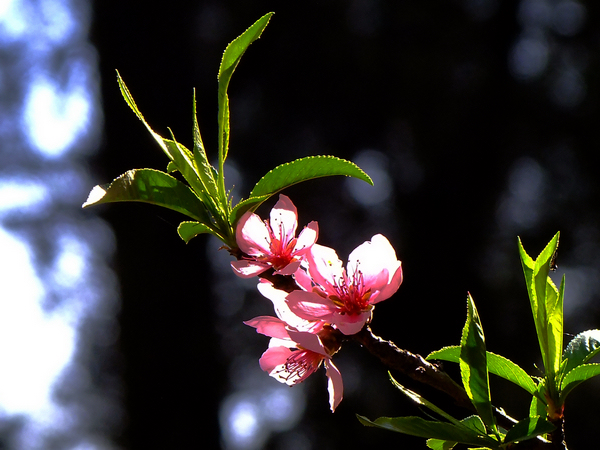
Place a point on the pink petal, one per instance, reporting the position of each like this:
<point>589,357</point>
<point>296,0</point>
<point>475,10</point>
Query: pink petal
<point>308,341</point>
<point>252,235</point>
<point>284,219</point>
<point>310,306</point>
<point>376,260</point>
<point>307,237</point>
<point>284,312</point>
<point>350,324</point>
<point>303,280</point>
<point>324,266</point>
<point>248,269</point>
<point>290,268</point>
<point>273,357</point>
<point>269,326</point>
<point>335,386</point>
<point>392,287</point>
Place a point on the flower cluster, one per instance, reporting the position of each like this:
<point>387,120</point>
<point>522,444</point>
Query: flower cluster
<point>328,302</point>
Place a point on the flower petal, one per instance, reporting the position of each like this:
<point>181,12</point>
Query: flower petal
<point>310,306</point>
<point>377,262</point>
<point>284,219</point>
<point>307,237</point>
<point>274,357</point>
<point>392,287</point>
<point>252,235</point>
<point>350,324</point>
<point>335,386</point>
<point>290,268</point>
<point>283,311</point>
<point>269,326</point>
<point>248,269</point>
<point>324,267</point>
<point>308,341</point>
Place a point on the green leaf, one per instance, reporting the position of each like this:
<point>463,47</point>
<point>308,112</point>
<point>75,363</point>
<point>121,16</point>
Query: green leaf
<point>189,230</point>
<point>528,428</point>
<point>416,426</point>
<point>181,158</point>
<point>205,170</point>
<point>576,376</point>
<point>472,422</point>
<point>242,207</point>
<point>554,311</point>
<point>423,402</point>
<point>582,348</point>
<point>150,186</point>
<point>547,308</point>
<point>473,365</point>
<point>231,58</point>
<point>438,444</point>
<point>538,402</point>
<point>497,365</point>
<point>304,169</point>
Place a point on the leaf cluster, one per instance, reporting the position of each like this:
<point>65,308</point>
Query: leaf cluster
<point>563,371</point>
<point>202,195</point>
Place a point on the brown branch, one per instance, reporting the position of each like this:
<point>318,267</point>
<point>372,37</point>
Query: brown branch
<point>414,366</point>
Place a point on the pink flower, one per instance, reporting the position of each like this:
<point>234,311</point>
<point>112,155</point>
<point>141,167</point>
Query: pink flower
<point>346,298</point>
<point>273,243</point>
<point>294,355</point>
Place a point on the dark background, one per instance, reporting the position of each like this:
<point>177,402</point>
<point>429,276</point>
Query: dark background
<point>426,83</point>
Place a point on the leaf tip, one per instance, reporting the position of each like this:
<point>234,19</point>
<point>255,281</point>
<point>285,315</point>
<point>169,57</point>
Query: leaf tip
<point>95,196</point>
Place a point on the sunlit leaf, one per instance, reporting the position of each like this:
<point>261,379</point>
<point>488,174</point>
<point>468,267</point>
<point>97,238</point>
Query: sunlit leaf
<point>189,230</point>
<point>538,403</point>
<point>576,376</point>
<point>528,428</point>
<point>181,158</point>
<point>497,365</point>
<point>305,169</point>
<point>438,444</point>
<point>582,348</point>
<point>473,365</point>
<point>150,186</point>
<point>205,170</point>
<point>231,58</point>
<point>546,306</point>
<point>416,426</point>
<point>424,402</point>
<point>249,204</point>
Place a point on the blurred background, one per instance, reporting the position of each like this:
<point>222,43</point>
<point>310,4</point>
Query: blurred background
<point>477,120</point>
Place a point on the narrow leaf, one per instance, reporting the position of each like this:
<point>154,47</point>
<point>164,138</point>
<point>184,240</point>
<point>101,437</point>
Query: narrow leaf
<point>205,170</point>
<point>189,230</point>
<point>555,317</point>
<point>538,406</point>
<point>528,428</point>
<point>497,365</point>
<point>582,348</point>
<point>473,365</point>
<point>129,100</point>
<point>424,402</point>
<point>416,426</point>
<point>249,204</point>
<point>231,58</point>
<point>150,186</point>
<point>546,294</point>
<point>438,444</point>
<point>576,376</point>
<point>304,169</point>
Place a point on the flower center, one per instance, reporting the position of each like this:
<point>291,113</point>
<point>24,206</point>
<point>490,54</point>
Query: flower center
<point>281,251</point>
<point>300,365</point>
<point>352,296</point>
